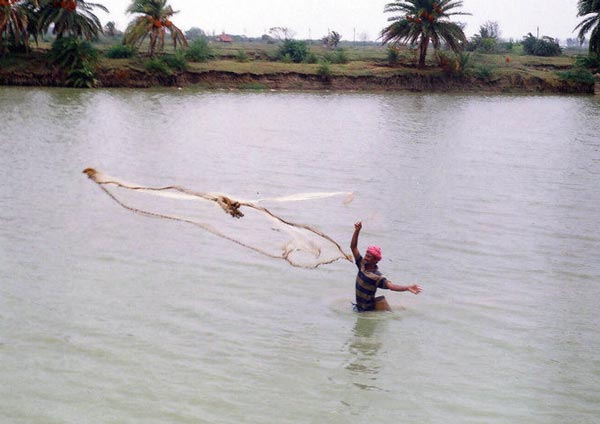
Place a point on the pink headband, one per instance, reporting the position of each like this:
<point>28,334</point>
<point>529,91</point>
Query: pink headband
<point>375,251</point>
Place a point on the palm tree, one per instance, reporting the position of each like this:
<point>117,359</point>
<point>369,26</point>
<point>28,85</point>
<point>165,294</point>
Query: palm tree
<point>70,18</point>
<point>590,10</point>
<point>422,22</point>
<point>154,21</point>
<point>14,23</point>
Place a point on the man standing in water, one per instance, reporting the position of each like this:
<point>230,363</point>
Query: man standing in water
<point>369,279</point>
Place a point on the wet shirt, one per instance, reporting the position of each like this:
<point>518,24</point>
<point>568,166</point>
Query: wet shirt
<point>367,283</point>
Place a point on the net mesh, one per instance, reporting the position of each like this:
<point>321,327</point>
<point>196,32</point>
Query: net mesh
<point>244,222</point>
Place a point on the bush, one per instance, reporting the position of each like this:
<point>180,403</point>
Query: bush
<point>82,78</point>
<point>312,58</point>
<point>121,51</point>
<point>544,46</point>
<point>577,74</point>
<point>484,72</point>
<point>242,56</point>
<point>324,71</point>
<point>296,50</point>
<point>340,57</point>
<point>393,55</point>
<point>199,51</point>
<point>158,66</point>
<point>70,53</point>
<point>591,61</point>
<point>77,58</point>
<point>175,61</point>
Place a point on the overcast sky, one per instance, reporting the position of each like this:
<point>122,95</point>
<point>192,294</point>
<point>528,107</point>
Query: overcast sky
<point>353,19</point>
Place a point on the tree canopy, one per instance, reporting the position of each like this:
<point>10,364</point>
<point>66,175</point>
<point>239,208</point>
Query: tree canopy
<point>420,22</point>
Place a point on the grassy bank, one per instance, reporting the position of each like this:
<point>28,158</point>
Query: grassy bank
<point>255,65</point>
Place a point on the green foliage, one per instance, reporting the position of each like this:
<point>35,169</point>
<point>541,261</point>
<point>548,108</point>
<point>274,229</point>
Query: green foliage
<point>484,72</point>
<point>420,22</point>
<point>73,53</point>
<point>242,56</point>
<point>341,57</point>
<point>199,51</point>
<point>591,61</point>
<point>82,78</point>
<point>154,20</point>
<point>157,66</point>
<point>77,58</point>
<point>544,46</point>
<point>253,86</point>
<point>458,64</point>
<point>311,58</point>
<point>78,22</point>
<point>589,10</point>
<point>324,71</point>
<point>296,50</point>
<point>120,51</point>
<point>175,61</point>
<point>577,74</point>
<point>393,55</point>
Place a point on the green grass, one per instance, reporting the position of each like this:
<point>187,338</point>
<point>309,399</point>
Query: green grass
<point>370,60</point>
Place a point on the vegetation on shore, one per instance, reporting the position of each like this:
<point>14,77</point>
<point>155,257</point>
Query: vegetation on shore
<point>78,55</point>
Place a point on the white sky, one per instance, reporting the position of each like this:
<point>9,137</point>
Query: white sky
<point>353,19</point>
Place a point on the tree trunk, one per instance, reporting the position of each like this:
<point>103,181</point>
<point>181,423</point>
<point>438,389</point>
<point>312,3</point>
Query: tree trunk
<point>423,51</point>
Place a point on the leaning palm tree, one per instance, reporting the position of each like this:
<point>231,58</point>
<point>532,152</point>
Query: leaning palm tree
<point>14,24</point>
<point>590,10</point>
<point>424,21</point>
<point>153,22</point>
<point>71,18</point>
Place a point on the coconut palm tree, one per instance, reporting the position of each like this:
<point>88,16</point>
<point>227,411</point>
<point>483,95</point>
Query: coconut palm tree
<point>154,22</point>
<point>424,21</point>
<point>15,23</point>
<point>590,10</point>
<point>71,18</point>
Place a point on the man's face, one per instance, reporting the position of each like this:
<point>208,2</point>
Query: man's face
<point>370,259</point>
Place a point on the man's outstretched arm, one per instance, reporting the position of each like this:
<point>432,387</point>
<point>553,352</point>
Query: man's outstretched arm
<point>414,289</point>
<point>354,242</point>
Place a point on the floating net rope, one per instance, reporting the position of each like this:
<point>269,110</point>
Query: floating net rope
<point>244,222</point>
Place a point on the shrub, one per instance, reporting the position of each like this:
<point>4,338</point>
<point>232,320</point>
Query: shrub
<point>312,58</point>
<point>544,46</point>
<point>393,55</point>
<point>70,53</point>
<point>242,56</point>
<point>577,74</point>
<point>82,78</point>
<point>484,72</point>
<point>591,61</point>
<point>324,71</point>
<point>175,61</point>
<point>296,50</point>
<point>199,51</point>
<point>158,66</point>
<point>341,57</point>
<point>120,51</point>
<point>77,58</point>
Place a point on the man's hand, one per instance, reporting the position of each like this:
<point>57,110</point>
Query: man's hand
<point>357,226</point>
<point>414,289</point>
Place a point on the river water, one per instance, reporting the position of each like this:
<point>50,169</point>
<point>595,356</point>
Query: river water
<point>490,203</point>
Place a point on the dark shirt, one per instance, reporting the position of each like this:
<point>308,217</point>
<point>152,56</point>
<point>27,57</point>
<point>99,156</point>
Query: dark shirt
<point>367,283</point>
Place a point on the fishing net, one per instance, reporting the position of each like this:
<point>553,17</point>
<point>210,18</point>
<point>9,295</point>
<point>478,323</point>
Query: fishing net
<point>244,222</point>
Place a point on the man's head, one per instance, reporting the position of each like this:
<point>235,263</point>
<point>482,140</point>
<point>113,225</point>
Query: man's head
<point>373,254</point>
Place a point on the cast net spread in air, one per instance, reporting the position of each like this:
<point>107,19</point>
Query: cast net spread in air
<point>243,222</point>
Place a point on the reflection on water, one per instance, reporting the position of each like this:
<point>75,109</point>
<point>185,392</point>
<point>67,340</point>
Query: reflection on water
<point>364,345</point>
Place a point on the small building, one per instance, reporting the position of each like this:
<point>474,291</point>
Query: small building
<point>224,38</point>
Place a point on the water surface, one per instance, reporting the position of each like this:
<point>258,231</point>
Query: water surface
<point>491,203</point>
